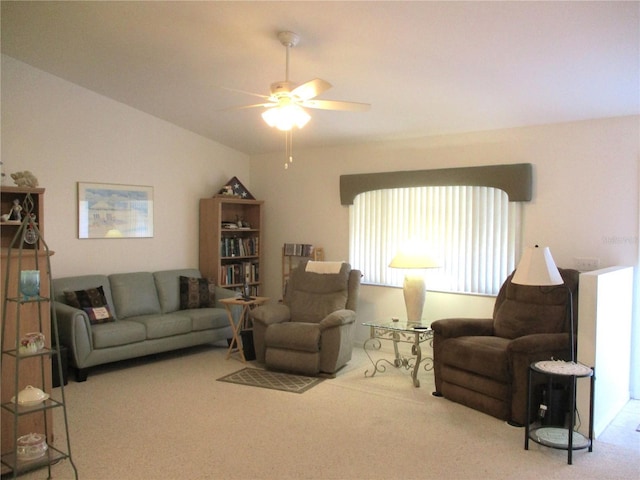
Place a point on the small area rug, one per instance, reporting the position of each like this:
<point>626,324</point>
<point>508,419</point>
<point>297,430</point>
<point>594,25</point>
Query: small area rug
<point>286,382</point>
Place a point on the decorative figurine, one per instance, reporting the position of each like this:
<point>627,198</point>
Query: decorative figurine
<point>16,211</point>
<point>25,179</point>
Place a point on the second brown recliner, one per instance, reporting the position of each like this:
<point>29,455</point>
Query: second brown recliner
<point>483,363</point>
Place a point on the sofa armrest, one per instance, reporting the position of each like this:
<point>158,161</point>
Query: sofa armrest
<point>337,319</point>
<point>222,292</point>
<point>270,314</point>
<point>74,332</point>
<point>461,327</point>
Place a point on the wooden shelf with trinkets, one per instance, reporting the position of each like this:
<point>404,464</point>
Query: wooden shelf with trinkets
<point>26,311</point>
<point>231,242</point>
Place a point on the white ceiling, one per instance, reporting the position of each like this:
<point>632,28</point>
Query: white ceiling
<point>426,67</point>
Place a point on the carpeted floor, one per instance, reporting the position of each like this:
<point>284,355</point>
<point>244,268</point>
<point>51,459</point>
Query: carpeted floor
<point>286,382</point>
<point>167,418</point>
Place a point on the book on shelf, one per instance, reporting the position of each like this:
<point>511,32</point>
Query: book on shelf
<point>239,247</point>
<point>238,273</point>
<point>298,249</point>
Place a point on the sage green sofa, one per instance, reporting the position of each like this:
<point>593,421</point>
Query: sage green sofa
<point>147,317</point>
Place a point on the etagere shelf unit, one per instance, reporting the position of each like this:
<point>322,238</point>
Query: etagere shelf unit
<point>23,312</point>
<point>231,242</point>
<point>293,254</point>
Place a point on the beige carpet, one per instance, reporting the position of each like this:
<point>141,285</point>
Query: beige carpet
<point>168,418</point>
<point>286,382</point>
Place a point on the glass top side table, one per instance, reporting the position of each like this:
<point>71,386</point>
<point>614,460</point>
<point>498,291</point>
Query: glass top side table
<point>399,332</point>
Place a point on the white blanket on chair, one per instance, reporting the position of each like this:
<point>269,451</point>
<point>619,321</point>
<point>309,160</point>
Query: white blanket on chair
<point>323,267</point>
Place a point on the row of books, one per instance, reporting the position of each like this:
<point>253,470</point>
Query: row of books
<point>239,273</point>
<point>239,246</point>
<point>298,249</point>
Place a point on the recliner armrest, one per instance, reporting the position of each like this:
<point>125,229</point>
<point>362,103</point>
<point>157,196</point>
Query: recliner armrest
<point>270,314</point>
<point>539,343</point>
<point>461,327</point>
<point>337,319</point>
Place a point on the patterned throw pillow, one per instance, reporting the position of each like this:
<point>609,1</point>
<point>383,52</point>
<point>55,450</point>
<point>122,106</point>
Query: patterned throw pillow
<point>93,302</point>
<point>197,293</point>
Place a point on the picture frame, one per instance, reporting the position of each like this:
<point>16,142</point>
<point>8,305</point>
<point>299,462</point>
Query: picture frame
<point>108,210</point>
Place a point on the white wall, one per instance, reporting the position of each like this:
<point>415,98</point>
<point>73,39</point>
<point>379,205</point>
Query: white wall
<point>66,134</point>
<point>585,184</point>
<point>585,201</point>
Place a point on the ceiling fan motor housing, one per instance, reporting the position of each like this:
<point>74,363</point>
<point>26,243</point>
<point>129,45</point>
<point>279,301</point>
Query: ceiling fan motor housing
<point>288,39</point>
<point>282,87</point>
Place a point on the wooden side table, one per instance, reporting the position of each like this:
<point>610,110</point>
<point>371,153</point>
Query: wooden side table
<point>243,320</point>
<point>559,437</point>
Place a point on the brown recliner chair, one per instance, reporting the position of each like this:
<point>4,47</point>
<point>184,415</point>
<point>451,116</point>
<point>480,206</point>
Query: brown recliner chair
<point>483,363</point>
<point>313,330</point>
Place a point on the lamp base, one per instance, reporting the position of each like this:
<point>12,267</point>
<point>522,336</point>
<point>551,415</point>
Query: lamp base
<point>414,290</point>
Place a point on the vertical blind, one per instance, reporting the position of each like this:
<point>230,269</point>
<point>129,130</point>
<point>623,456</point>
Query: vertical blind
<point>474,231</point>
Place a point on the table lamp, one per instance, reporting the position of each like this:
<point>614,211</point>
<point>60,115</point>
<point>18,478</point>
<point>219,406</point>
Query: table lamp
<point>537,268</point>
<point>414,256</point>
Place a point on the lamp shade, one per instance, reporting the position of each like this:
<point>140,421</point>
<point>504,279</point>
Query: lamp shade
<point>414,255</point>
<point>537,268</point>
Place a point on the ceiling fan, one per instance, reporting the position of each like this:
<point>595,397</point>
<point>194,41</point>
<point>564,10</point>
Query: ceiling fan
<point>285,105</point>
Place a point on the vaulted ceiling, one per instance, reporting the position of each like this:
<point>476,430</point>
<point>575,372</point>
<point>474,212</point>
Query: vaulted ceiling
<point>426,68</point>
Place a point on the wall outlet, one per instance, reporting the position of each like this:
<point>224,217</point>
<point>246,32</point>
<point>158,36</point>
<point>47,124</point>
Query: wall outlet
<point>587,264</point>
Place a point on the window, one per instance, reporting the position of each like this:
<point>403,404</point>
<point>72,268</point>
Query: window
<point>474,230</point>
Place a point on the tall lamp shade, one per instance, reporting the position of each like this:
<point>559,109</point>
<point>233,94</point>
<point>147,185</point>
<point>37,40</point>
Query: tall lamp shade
<point>414,257</point>
<point>537,268</point>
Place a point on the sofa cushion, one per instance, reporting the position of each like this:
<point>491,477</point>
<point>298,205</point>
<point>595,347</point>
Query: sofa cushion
<point>134,294</point>
<point>164,325</point>
<point>82,282</point>
<point>93,302</point>
<point>168,286</point>
<point>197,293</point>
<point>121,332</point>
<point>207,318</point>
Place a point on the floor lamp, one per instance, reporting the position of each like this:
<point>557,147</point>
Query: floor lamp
<point>414,257</point>
<point>537,268</point>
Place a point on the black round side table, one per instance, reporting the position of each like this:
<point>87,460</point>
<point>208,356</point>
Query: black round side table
<point>564,438</point>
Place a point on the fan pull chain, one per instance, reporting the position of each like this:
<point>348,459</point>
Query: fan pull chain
<point>288,148</point>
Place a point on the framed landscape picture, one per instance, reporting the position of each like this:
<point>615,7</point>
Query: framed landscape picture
<point>114,211</point>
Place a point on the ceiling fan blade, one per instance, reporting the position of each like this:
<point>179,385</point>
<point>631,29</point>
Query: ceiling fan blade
<point>311,89</point>
<point>243,107</point>
<point>336,105</point>
<point>244,91</point>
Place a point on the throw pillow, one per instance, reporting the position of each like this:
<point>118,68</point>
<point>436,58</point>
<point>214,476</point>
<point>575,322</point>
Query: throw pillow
<point>93,302</point>
<point>197,293</point>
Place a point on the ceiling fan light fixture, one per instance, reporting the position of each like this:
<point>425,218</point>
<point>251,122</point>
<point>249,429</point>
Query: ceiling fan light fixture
<point>286,117</point>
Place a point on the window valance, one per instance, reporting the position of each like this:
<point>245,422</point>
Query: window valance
<point>515,180</point>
